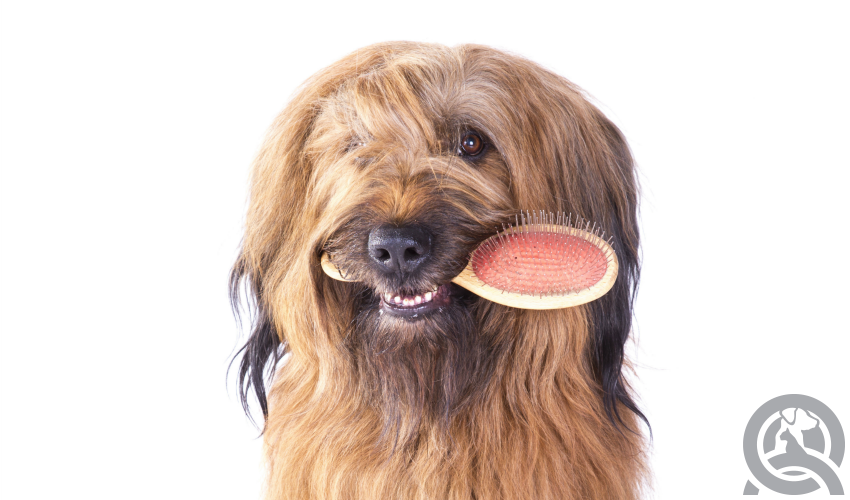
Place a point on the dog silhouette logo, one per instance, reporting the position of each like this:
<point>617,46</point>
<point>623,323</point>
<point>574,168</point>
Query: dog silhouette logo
<point>793,444</point>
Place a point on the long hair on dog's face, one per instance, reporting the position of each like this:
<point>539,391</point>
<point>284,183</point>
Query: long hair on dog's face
<point>470,398</point>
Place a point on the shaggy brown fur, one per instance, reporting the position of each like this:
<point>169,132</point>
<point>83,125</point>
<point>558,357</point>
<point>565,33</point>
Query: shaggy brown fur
<point>477,400</point>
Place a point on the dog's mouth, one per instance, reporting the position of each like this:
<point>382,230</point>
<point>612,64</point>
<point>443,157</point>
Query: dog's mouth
<point>417,304</point>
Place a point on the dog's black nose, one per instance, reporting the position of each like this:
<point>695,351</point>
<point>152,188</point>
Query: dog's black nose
<point>400,249</point>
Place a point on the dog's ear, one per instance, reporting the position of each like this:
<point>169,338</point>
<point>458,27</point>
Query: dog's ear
<point>280,178</point>
<point>594,174</point>
<point>585,165</point>
<point>611,315</point>
<point>560,147</point>
<point>277,189</point>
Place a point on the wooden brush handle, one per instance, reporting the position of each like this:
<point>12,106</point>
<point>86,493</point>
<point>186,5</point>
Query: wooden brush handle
<point>471,282</point>
<point>331,270</point>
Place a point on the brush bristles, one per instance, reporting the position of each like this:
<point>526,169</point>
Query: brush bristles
<point>544,254</point>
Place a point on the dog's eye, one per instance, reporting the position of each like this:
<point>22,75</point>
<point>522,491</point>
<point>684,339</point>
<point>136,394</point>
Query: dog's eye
<point>354,144</point>
<point>471,145</point>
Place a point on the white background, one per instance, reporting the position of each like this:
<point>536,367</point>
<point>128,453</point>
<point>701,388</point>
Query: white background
<point>127,134</point>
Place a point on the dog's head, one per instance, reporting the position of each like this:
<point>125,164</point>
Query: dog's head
<point>398,161</point>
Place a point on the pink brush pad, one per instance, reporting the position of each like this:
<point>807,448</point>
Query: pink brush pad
<point>539,263</point>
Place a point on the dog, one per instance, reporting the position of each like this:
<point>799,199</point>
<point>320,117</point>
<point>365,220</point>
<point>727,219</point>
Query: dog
<point>398,160</point>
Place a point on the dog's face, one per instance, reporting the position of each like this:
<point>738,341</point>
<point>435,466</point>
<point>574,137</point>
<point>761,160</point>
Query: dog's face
<point>409,180</point>
<point>398,161</point>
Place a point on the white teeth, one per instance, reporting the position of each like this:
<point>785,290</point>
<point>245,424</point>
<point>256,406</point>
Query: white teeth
<point>411,300</point>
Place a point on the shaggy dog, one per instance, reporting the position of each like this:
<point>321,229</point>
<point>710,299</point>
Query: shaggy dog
<point>398,161</point>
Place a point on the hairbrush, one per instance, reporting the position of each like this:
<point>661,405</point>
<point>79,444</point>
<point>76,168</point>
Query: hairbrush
<point>544,261</point>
